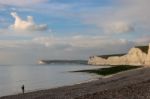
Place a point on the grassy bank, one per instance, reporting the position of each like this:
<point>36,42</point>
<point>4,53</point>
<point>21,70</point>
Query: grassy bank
<point>111,70</point>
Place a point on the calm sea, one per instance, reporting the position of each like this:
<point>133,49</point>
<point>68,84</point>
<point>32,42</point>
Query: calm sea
<point>36,77</point>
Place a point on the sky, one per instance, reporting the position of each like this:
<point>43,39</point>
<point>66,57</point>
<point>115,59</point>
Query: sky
<point>32,30</point>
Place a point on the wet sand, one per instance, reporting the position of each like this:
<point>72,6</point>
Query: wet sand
<point>132,84</point>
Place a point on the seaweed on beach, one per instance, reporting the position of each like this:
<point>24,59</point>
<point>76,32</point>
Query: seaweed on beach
<point>111,70</point>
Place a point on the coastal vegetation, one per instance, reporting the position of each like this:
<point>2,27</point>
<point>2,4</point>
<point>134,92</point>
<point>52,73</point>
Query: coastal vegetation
<point>110,70</point>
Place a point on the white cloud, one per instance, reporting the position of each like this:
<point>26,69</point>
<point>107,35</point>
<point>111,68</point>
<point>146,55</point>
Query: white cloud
<point>124,17</point>
<point>46,41</point>
<point>26,25</point>
<point>76,47</point>
<point>66,43</point>
<point>79,41</point>
<point>22,2</point>
<point>119,27</point>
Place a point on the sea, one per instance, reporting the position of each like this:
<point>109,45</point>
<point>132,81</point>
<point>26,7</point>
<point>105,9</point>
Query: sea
<point>38,77</point>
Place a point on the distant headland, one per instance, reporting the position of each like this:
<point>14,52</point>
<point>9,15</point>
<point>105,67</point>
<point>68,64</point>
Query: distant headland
<point>63,62</point>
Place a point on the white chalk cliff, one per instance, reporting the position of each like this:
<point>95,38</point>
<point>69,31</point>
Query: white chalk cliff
<point>139,55</point>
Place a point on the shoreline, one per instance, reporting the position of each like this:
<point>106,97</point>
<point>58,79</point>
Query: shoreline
<point>83,89</point>
<point>58,87</point>
<point>94,78</point>
<point>67,85</point>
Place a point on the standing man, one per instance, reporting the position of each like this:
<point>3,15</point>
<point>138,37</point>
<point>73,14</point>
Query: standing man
<point>22,89</point>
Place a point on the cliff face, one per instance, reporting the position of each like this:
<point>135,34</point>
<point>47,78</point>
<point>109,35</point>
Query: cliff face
<point>147,60</point>
<point>95,60</point>
<point>135,56</point>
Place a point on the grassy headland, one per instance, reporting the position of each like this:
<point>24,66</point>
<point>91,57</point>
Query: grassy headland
<point>111,70</point>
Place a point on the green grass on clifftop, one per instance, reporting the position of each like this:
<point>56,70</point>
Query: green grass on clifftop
<point>111,70</point>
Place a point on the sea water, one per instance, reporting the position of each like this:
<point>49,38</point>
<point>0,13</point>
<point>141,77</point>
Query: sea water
<point>38,77</point>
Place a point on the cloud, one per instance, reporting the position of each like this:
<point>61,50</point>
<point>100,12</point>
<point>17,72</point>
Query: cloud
<point>72,43</point>
<point>22,2</point>
<point>79,41</point>
<point>127,16</point>
<point>119,27</point>
<point>46,41</point>
<point>26,25</point>
<point>143,40</point>
<point>75,47</point>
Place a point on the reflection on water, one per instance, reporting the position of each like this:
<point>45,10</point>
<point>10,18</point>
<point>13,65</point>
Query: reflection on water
<point>40,77</point>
